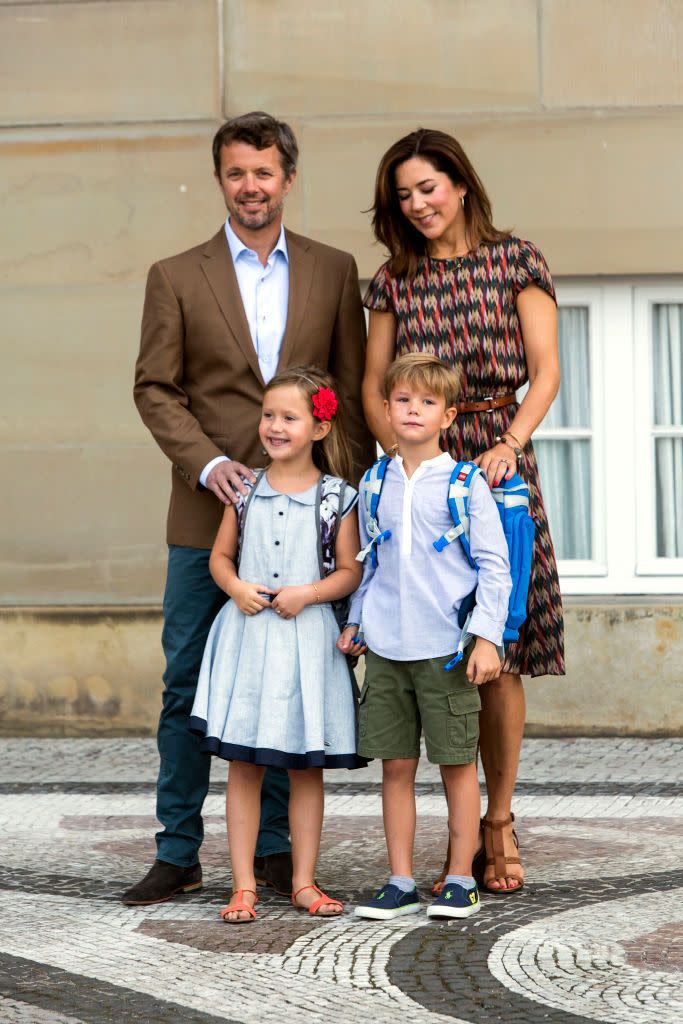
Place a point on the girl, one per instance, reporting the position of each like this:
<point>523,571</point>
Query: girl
<point>273,689</point>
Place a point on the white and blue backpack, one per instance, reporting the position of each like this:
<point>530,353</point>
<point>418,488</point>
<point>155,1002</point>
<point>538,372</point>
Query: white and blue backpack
<point>512,501</point>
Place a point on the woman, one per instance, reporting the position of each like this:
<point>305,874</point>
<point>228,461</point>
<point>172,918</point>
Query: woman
<point>479,298</point>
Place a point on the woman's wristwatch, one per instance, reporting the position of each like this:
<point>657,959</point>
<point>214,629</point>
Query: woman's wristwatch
<point>504,439</point>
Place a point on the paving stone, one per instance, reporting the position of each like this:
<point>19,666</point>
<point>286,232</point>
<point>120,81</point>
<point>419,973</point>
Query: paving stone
<point>594,934</point>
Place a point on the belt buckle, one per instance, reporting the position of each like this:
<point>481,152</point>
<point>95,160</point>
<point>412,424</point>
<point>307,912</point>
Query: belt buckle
<point>488,398</point>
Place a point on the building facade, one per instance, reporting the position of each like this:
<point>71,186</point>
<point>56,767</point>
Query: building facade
<point>572,112</point>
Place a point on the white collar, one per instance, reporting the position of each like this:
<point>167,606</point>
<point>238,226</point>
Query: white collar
<point>307,497</point>
<point>436,461</point>
<point>237,246</point>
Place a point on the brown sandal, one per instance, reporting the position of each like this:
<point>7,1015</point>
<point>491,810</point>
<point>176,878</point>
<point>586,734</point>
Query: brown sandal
<point>495,854</point>
<point>240,907</point>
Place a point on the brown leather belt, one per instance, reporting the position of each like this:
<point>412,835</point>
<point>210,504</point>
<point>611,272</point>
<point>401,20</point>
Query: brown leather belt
<point>486,404</point>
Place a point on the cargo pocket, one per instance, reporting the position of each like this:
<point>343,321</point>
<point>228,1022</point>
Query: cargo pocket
<point>463,720</point>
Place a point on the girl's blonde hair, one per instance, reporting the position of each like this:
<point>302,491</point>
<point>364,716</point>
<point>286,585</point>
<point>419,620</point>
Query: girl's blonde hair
<point>417,369</point>
<point>333,454</point>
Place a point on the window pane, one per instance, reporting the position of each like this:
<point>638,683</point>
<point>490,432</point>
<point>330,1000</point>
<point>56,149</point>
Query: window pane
<point>572,406</point>
<point>669,496</point>
<point>667,364</point>
<point>565,470</point>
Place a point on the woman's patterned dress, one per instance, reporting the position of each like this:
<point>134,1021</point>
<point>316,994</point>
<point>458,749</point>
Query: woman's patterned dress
<point>463,311</point>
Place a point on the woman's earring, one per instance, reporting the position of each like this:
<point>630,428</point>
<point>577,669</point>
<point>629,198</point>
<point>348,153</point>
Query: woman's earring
<point>462,200</point>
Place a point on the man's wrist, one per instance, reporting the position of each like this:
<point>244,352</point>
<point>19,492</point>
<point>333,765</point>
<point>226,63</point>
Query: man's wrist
<point>203,476</point>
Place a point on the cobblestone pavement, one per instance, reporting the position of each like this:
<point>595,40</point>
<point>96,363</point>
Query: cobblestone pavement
<point>595,934</point>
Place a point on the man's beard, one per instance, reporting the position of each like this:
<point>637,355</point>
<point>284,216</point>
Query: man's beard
<point>257,219</point>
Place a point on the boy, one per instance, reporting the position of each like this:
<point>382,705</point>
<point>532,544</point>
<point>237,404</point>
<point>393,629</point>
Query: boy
<point>408,606</point>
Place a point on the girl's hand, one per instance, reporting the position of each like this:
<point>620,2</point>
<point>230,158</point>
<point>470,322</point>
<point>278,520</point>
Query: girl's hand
<point>484,664</point>
<point>498,463</point>
<point>291,600</point>
<point>249,597</point>
<point>350,642</point>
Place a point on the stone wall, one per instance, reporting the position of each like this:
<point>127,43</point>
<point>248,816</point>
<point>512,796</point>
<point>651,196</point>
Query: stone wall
<point>97,671</point>
<point>570,109</point>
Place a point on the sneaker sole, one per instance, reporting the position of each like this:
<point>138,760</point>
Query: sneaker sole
<point>195,887</point>
<point>453,911</point>
<point>376,914</point>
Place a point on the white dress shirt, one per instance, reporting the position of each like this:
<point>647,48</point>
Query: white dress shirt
<point>408,606</point>
<point>265,297</point>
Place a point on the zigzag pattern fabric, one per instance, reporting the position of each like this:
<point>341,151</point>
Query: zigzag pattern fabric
<point>463,311</point>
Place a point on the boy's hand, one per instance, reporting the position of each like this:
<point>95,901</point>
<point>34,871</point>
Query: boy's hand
<point>291,600</point>
<point>484,664</point>
<point>249,597</point>
<point>349,642</point>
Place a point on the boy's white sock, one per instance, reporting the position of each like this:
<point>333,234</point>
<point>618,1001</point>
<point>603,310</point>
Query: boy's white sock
<point>467,881</point>
<point>402,882</point>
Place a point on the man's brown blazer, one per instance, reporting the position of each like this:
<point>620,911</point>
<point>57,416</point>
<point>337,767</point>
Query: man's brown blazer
<point>198,386</point>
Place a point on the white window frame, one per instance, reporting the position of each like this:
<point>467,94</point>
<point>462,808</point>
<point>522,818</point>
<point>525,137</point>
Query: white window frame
<point>622,456</point>
<point>648,563</point>
<point>590,297</point>
<point>623,445</point>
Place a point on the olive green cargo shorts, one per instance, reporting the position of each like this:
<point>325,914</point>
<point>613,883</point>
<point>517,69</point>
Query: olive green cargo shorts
<point>401,699</point>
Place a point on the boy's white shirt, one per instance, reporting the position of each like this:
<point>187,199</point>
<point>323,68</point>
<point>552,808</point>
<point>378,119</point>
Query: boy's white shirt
<point>408,606</point>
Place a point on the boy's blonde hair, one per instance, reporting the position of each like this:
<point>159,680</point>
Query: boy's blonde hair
<point>424,371</point>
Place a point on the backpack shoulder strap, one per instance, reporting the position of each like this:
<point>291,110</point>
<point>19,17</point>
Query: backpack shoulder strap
<point>329,504</point>
<point>371,491</point>
<point>512,493</point>
<point>459,489</point>
<point>243,508</point>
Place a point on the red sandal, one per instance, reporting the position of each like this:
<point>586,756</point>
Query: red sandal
<point>239,907</point>
<point>317,904</point>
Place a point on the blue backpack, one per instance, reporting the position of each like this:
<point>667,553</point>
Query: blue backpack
<point>512,501</point>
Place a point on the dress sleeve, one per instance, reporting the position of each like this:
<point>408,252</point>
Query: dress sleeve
<point>531,268</point>
<point>350,500</point>
<point>379,295</point>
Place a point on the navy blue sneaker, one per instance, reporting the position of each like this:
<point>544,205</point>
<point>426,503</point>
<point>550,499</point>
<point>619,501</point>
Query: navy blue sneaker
<point>455,901</point>
<point>389,902</point>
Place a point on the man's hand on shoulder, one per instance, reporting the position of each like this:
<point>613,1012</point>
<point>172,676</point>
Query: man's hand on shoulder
<point>226,481</point>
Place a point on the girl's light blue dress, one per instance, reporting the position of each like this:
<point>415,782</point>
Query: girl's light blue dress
<point>276,691</point>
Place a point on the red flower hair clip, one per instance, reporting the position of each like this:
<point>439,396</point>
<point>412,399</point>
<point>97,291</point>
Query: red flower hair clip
<point>325,404</point>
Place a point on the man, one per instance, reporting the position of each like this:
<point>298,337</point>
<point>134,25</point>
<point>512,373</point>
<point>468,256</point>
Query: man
<point>219,321</point>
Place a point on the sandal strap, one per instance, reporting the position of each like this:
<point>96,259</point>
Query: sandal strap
<point>496,826</point>
<point>303,887</point>
<point>494,844</point>
<point>324,899</point>
<point>239,893</point>
<point>508,860</point>
<point>237,908</point>
<point>240,905</point>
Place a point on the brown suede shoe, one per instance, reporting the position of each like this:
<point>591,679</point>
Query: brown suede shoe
<point>275,871</point>
<point>162,882</point>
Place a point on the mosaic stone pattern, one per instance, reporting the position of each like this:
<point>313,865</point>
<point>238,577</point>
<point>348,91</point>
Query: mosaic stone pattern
<point>594,935</point>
